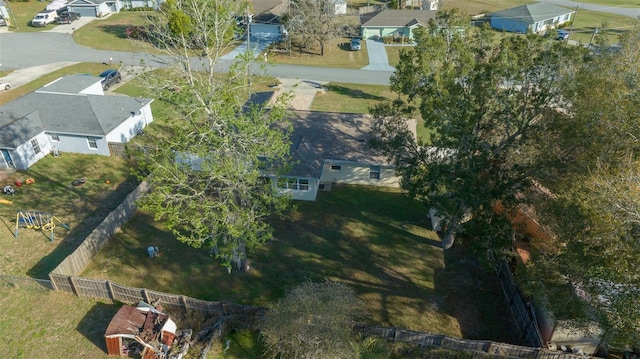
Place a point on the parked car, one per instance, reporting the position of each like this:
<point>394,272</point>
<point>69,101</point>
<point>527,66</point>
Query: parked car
<point>5,86</point>
<point>110,77</point>
<point>44,18</point>
<point>67,17</point>
<point>3,22</point>
<point>355,44</point>
<point>562,35</point>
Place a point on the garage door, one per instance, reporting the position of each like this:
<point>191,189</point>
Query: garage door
<point>83,10</point>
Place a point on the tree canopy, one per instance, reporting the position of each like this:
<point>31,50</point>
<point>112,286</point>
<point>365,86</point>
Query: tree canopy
<point>208,171</point>
<point>312,22</point>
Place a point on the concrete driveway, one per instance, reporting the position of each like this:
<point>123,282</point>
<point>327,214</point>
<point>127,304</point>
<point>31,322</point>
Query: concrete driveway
<point>70,28</point>
<point>378,60</point>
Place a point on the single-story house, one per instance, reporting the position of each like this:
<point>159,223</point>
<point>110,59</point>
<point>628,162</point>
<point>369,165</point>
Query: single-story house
<point>332,148</point>
<point>143,327</point>
<point>94,8</point>
<point>70,114</point>
<point>394,22</point>
<point>537,17</point>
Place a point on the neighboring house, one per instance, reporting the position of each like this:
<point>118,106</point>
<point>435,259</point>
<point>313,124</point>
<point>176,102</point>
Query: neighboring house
<point>395,23</point>
<point>70,114</point>
<point>132,4</point>
<point>537,17</point>
<point>94,8</point>
<point>332,148</point>
<point>269,11</point>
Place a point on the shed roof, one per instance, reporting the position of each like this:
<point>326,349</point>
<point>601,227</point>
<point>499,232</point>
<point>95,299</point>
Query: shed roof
<point>533,13</point>
<point>397,18</point>
<point>318,136</point>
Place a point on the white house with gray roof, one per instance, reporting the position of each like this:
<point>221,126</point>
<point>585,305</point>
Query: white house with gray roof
<point>70,114</point>
<point>537,17</point>
<point>329,148</point>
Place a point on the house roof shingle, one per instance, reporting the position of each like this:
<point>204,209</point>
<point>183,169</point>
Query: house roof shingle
<point>397,18</point>
<point>318,136</point>
<point>64,112</point>
<point>533,13</point>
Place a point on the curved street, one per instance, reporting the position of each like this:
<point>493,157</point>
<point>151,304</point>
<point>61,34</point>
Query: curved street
<point>25,50</point>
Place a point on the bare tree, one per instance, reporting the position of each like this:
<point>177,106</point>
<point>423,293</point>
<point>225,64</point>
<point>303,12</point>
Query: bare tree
<point>313,21</point>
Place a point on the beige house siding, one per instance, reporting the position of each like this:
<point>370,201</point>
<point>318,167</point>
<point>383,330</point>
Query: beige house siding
<point>358,173</point>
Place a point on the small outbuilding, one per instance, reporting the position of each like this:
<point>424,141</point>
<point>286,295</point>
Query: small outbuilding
<point>142,328</point>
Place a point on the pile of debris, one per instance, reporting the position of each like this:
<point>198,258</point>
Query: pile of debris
<point>147,332</point>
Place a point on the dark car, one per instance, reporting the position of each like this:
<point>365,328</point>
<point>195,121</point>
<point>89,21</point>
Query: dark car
<point>110,77</point>
<point>67,17</point>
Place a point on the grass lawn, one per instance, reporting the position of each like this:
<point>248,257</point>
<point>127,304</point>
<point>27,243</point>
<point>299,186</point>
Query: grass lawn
<point>351,98</point>
<point>109,33</point>
<point>24,11</point>
<point>46,324</point>
<point>81,208</point>
<point>473,7</point>
<point>586,21</point>
<point>374,240</point>
<point>620,3</point>
<point>337,54</point>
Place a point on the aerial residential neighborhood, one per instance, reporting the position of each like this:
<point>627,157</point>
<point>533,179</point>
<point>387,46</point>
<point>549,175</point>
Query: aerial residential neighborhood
<point>319,179</point>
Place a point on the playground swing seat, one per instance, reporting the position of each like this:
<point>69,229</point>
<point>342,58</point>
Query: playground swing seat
<point>8,190</point>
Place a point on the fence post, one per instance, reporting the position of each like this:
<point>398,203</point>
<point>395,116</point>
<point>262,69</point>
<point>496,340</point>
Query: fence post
<point>73,286</point>
<point>184,303</point>
<point>110,290</point>
<point>145,295</point>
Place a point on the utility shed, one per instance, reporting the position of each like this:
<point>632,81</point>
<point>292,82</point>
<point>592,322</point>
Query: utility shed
<point>142,328</point>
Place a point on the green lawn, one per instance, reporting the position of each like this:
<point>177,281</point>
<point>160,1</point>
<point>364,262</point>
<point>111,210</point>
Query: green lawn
<point>23,12</point>
<point>350,98</point>
<point>474,7</point>
<point>375,240</point>
<point>337,54</point>
<point>620,3</point>
<point>46,324</point>
<point>586,22</point>
<point>109,33</point>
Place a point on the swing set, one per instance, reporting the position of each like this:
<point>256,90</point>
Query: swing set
<point>38,220</point>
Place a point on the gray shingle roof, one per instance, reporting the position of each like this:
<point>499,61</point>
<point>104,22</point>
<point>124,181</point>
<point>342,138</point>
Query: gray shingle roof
<point>397,18</point>
<point>81,114</point>
<point>532,13</point>
<point>318,136</point>
<point>70,84</point>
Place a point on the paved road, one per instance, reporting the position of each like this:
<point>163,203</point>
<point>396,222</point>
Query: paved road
<point>21,50</point>
<point>620,10</point>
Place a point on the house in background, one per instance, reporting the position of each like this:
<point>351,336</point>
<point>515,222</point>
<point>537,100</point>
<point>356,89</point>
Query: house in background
<point>95,8</point>
<point>340,7</point>
<point>70,114</point>
<point>395,23</point>
<point>332,148</point>
<point>537,17</point>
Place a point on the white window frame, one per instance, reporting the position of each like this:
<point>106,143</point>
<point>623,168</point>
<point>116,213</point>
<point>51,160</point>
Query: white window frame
<point>36,146</point>
<point>94,141</point>
<point>54,137</point>
<point>293,183</point>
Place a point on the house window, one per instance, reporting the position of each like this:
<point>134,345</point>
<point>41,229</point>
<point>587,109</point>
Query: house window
<point>36,146</point>
<point>335,168</point>
<point>93,144</point>
<point>54,137</point>
<point>293,183</point>
<point>374,172</point>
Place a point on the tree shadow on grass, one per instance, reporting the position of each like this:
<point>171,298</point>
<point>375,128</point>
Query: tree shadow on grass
<point>94,324</point>
<point>117,30</point>
<point>354,93</point>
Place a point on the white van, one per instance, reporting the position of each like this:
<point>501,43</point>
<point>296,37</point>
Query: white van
<point>44,18</point>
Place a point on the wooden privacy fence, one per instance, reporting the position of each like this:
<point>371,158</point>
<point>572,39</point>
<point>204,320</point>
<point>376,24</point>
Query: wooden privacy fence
<point>105,289</point>
<point>523,313</point>
<point>474,346</point>
<point>77,261</point>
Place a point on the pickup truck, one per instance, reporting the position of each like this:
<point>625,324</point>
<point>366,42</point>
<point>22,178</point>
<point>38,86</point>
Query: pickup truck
<point>67,17</point>
<point>43,18</point>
